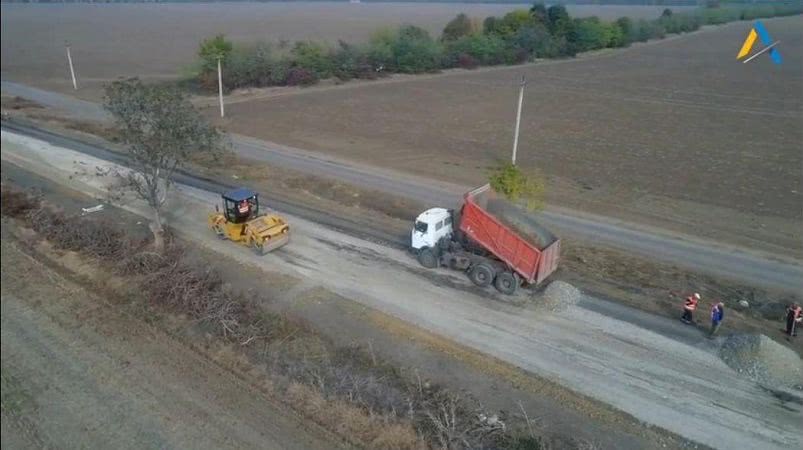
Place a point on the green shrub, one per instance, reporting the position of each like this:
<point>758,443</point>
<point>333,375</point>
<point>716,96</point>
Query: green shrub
<point>483,48</point>
<point>536,41</point>
<point>211,50</point>
<point>592,34</point>
<point>457,28</point>
<point>414,51</point>
<point>313,57</point>
<point>517,186</point>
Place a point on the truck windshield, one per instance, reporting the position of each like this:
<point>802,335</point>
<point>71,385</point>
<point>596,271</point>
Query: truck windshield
<point>420,226</point>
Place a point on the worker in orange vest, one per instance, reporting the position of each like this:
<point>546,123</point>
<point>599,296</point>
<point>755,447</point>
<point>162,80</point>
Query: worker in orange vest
<point>793,319</point>
<point>688,308</point>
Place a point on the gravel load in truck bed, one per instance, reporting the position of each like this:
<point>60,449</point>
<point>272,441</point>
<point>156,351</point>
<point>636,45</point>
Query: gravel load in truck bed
<point>523,222</point>
<point>762,360</point>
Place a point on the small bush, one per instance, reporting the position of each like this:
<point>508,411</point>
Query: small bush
<point>314,58</point>
<point>17,203</point>
<point>298,76</point>
<point>466,61</point>
<point>516,185</point>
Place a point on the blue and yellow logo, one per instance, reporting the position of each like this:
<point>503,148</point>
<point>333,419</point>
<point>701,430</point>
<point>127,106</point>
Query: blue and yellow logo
<point>758,30</point>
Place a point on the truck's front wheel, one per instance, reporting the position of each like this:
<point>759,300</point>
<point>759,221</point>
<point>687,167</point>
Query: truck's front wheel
<point>427,258</point>
<point>481,275</point>
<point>506,283</point>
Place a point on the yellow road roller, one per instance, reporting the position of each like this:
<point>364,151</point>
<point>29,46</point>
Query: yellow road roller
<point>242,222</point>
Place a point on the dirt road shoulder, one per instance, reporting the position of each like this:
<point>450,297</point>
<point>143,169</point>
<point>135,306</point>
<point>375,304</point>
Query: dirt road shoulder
<point>79,372</point>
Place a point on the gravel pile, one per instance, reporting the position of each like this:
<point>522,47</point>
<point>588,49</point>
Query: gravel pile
<point>559,296</point>
<point>762,360</point>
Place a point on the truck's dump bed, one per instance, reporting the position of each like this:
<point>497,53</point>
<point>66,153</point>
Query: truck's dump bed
<point>510,234</point>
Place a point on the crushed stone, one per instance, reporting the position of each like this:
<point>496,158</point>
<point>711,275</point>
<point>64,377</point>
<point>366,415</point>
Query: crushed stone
<point>559,296</point>
<point>763,360</point>
<point>523,222</point>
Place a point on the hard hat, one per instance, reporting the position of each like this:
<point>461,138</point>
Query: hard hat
<point>697,296</point>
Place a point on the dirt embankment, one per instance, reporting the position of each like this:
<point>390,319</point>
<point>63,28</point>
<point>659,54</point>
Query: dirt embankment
<point>79,371</point>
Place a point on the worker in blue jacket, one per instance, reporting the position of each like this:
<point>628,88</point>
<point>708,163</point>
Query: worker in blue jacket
<point>717,314</point>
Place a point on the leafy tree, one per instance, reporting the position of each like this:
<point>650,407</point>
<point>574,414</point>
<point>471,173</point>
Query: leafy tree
<point>380,48</point>
<point>625,25</point>
<point>519,186</point>
<point>250,66</point>
<point>483,48</point>
<point>211,50</point>
<point>350,61</point>
<point>617,37</point>
<point>535,41</point>
<point>666,13</point>
<point>313,57</point>
<point>458,27</point>
<point>490,25</point>
<point>511,22</point>
<point>591,34</point>
<point>161,130</point>
<point>414,51</point>
<point>558,21</point>
<point>538,12</point>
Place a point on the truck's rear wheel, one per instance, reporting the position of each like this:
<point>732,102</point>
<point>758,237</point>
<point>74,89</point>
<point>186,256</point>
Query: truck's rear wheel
<point>427,258</point>
<point>482,274</point>
<point>506,283</point>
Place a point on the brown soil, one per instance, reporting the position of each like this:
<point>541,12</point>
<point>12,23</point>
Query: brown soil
<point>20,107</point>
<point>661,289</point>
<point>119,40</point>
<point>658,133</point>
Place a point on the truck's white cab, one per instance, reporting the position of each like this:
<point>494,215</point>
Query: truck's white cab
<point>430,227</point>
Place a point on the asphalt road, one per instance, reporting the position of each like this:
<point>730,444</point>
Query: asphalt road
<point>705,256</point>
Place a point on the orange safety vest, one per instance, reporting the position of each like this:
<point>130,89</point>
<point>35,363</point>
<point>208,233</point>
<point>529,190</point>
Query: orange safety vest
<point>691,304</point>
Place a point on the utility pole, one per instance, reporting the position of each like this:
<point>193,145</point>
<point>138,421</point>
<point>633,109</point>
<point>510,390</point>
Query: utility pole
<point>72,71</point>
<point>220,87</point>
<point>518,119</point>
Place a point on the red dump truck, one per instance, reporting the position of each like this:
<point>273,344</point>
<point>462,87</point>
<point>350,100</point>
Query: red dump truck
<point>482,242</point>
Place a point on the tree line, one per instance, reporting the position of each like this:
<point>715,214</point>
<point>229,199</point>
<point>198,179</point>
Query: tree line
<point>518,37</point>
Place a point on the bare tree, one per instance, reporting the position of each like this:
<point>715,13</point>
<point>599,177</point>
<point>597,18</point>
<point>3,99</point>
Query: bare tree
<point>161,130</point>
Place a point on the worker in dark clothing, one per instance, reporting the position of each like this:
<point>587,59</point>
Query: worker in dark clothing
<point>717,314</point>
<point>793,319</point>
<point>688,308</point>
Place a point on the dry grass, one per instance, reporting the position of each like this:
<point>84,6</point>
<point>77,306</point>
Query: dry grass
<point>351,421</point>
<point>280,181</point>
